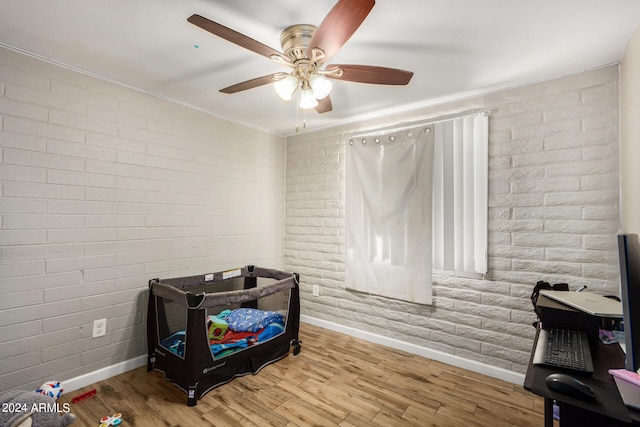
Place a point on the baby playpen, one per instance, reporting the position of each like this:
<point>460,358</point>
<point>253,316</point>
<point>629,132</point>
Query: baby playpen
<point>204,330</point>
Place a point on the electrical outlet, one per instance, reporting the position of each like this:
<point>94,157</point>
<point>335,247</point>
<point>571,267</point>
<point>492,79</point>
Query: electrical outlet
<point>316,290</point>
<point>99,328</point>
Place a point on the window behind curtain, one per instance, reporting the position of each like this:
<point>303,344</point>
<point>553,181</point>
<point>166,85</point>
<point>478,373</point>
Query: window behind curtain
<point>389,214</point>
<point>416,200</point>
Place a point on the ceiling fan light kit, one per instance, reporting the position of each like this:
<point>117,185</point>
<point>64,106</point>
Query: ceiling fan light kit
<point>305,49</point>
<point>286,86</point>
<point>307,100</point>
<point>321,85</point>
<point>311,81</point>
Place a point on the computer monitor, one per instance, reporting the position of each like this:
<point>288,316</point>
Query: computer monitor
<point>629,254</point>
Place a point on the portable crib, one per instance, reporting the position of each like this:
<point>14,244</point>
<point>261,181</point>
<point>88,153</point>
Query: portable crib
<point>204,330</point>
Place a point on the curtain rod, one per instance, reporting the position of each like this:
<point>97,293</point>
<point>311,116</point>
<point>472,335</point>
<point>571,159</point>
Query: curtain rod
<point>422,122</point>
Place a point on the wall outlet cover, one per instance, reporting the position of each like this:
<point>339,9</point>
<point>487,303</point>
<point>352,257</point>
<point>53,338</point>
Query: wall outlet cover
<point>99,328</point>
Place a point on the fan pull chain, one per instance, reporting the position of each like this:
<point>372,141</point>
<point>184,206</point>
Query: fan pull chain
<point>304,114</point>
<point>297,112</point>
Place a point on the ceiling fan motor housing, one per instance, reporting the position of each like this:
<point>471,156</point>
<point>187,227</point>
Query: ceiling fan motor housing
<point>295,40</point>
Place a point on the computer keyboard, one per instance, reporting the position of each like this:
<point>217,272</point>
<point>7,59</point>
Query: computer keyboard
<point>563,348</point>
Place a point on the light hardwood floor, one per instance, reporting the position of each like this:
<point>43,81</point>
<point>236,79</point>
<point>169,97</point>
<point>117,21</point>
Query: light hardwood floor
<point>336,380</point>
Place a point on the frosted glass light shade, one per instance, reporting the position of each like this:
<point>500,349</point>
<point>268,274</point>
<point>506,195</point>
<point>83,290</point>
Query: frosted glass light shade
<point>285,87</point>
<point>321,85</point>
<point>307,100</point>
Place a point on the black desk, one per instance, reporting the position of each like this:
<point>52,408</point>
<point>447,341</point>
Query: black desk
<point>608,410</point>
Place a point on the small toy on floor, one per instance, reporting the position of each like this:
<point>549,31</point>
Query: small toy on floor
<point>113,420</point>
<point>84,396</point>
<point>51,388</point>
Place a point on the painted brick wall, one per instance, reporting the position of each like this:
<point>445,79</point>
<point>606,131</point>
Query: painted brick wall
<point>103,188</point>
<point>553,215</point>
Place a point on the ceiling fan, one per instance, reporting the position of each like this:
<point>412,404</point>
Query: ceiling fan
<point>306,48</point>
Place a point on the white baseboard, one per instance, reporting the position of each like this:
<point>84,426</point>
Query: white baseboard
<point>481,368</point>
<point>76,383</point>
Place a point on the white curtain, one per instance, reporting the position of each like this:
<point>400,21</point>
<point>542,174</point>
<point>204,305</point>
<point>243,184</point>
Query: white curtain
<point>460,192</point>
<point>388,211</point>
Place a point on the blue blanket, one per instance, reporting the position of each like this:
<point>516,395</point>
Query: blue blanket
<point>251,319</point>
<point>270,331</point>
<point>265,324</point>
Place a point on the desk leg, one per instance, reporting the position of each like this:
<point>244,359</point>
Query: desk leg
<point>548,412</point>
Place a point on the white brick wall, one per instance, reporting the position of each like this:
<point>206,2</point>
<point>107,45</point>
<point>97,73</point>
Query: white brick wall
<point>103,188</point>
<point>553,190</point>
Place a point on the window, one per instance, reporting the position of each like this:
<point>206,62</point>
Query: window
<point>416,201</point>
<point>389,214</point>
<point>460,193</point>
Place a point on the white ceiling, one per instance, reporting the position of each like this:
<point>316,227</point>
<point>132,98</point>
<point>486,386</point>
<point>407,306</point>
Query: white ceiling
<point>456,48</point>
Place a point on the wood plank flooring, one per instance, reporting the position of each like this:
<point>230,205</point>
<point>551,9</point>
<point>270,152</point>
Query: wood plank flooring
<point>336,380</point>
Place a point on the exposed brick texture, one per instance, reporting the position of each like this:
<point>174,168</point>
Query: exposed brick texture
<point>553,215</point>
<point>103,188</point>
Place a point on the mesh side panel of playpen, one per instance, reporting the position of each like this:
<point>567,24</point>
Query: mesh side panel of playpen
<point>173,315</point>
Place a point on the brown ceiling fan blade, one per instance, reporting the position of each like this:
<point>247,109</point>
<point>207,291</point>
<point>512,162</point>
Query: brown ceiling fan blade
<point>324,105</point>
<point>250,84</point>
<point>371,74</point>
<point>339,25</point>
<point>234,37</point>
